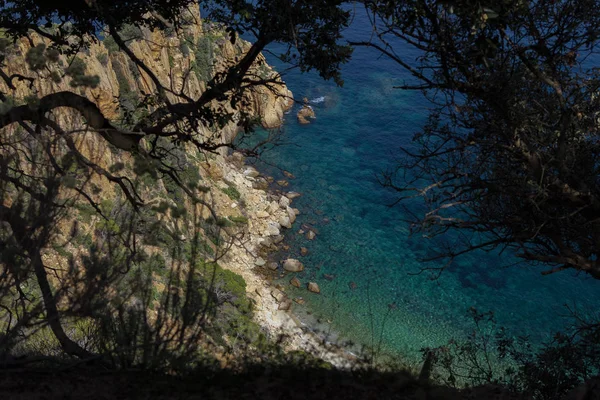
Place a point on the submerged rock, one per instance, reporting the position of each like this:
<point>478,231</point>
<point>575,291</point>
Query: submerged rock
<point>303,251</point>
<point>313,287</point>
<point>310,235</point>
<point>293,265</point>
<point>295,282</point>
<point>292,195</point>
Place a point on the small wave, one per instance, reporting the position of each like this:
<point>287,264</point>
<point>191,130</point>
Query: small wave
<point>318,100</point>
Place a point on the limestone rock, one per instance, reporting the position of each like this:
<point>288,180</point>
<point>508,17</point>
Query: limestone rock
<point>278,295</point>
<point>278,239</point>
<point>313,287</point>
<point>310,235</point>
<point>262,214</point>
<point>260,262</point>
<point>289,175</point>
<point>272,229</point>
<point>285,222</point>
<point>292,195</point>
<point>285,305</point>
<point>305,113</point>
<point>273,207</point>
<point>291,214</point>
<point>293,265</point>
<point>272,266</point>
<point>295,282</point>
<point>251,172</point>
<point>284,202</point>
<point>282,183</point>
<point>303,251</point>
<point>299,300</point>
<point>260,183</point>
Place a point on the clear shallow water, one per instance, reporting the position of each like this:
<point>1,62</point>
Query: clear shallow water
<point>336,159</point>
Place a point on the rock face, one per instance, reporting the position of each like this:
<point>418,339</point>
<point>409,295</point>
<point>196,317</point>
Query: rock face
<point>305,113</point>
<point>173,61</point>
<point>313,287</point>
<point>293,265</point>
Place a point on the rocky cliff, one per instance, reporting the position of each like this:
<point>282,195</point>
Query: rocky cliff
<point>226,216</point>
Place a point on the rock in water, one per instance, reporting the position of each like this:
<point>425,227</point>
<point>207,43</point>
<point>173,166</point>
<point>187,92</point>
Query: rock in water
<point>295,282</point>
<point>303,251</point>
<point>313,287</point>
<point>293,265</point>
<point>284,202</point>
<point>251,172</point>
<point>310,235</point>
<point>305,113</point>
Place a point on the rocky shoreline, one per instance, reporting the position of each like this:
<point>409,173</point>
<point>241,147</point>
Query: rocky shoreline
<point>269,214</point>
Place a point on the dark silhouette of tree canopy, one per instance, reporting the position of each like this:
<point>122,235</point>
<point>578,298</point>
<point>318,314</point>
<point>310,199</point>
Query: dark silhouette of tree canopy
<point>509,156</point>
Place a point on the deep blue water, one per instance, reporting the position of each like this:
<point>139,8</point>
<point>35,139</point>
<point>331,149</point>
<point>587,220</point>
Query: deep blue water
<point>336,160</point>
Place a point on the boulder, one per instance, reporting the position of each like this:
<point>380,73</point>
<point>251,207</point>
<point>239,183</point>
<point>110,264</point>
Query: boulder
<point>260,184</point>
<point>282,182</point>
<point>292,195</point>
<point>285,221</point>
<point>293,265</point>
<point>291,214</point>
<point>278,295</point>
<point>299,300</point>
<point>273,207</point>
<point>260,262</point>
<point>278,239</point>
<point>295,282</point>
<point>262,214</point>
<point>272,266</point>
<point>251,172</point>
<point>272,229</point>
<point>305,113</point>
<point>313,287</point>
<point>284,202</point>
<point>296,211</point>
<point>303,251</point>
<point>310,235</point>
<point>285,305</point>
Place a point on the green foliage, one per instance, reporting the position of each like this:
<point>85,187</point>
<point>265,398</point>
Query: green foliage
<point>204,58</point>
<point>85,211</point>
<point>35,57</point>
<point>232,193</point>
<point>110,44</point>
<point>239,219</point>
<point>103,59</point>
<point>78,77</point>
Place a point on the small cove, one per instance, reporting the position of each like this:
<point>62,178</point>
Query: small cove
<point>375,298</point>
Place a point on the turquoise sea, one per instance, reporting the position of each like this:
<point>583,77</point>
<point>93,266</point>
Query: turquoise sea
<point>365,244</point>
